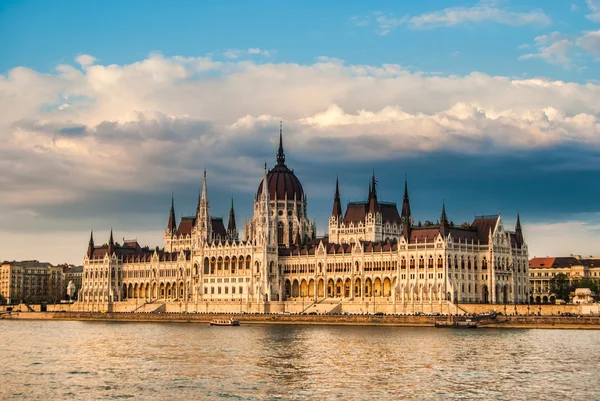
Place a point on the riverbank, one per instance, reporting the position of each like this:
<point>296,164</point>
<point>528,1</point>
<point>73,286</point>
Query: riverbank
<point>509,322</point>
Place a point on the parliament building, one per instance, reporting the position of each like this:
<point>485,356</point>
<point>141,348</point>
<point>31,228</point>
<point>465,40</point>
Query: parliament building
<point>375,258</point>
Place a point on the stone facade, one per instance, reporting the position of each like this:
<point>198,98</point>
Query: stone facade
<point>31,281</point>
<point>373,253</point>
<point>575,267</point>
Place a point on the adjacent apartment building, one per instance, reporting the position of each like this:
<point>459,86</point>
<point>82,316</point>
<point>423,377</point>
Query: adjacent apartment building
<point>575,267</point>
<point>31,281</point>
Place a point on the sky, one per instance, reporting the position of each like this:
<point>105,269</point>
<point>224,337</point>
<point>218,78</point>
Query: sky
<point>108,108</point>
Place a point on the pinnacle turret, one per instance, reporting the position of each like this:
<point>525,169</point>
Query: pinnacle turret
<point>519,232</point>
<point>405,217</point>
<point>231,229</point>
<point>111,243</point>
<point>373,205</point>
<point>444,224</point>
<point>172,225</point>
<point>337,204</point>
<point>90,251</point>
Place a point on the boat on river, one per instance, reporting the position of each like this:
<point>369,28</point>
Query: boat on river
<point>459,324</point>
<point>225,322</point>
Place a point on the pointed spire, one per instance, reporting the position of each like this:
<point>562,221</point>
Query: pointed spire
<point>231,229</point>
<point>373,206</point>
<point>406,201</point>
<point>405,217</point>
<point>337,204</point>
<point>444,225</point>
<point>111,243</point>
<point>443,218</point>
<point>204,198</point>
<point>519,232</point>
<point>264,186</point>
<point>90,251</point>
<point>172,225</point>
<point>280,154</point>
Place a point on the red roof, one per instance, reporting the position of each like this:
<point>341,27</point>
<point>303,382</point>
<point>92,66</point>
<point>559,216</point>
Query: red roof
<point>483,226</point>
<point>282,182</point>
<point>356,212</point>
<point>218,227</point>
<point>553,262</point>
<point>186,225</point>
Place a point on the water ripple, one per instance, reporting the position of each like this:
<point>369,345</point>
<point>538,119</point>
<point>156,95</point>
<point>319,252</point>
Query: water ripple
<point>107,360</point>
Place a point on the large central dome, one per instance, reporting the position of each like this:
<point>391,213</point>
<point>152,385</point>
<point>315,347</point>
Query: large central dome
<point>281,180</point>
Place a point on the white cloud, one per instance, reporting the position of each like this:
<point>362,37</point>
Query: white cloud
<point>258,51</point>
<point>75,133</point>
<point>158,121</point>
<point>233,53</point>
<point>553,48</point>
<point>484,11</point>
<point>253,51</point>
<point>594,6</point>
<point>85,60</point>
<point>590,42</point>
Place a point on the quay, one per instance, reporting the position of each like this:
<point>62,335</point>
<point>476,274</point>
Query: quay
<point>501,322</point>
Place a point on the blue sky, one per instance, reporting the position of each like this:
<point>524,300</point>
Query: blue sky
<point>106,108</point>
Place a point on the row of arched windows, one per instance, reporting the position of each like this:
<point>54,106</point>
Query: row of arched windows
<point>225,265</point>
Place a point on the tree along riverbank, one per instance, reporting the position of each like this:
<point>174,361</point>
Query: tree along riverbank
<point>525,322</point>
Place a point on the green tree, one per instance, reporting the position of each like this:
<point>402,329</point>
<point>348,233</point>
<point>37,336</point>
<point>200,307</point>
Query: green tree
<point>2,300</point>
<point>560,287</point>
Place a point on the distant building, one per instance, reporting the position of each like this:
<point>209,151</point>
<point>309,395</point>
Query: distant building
<point>542,270</point>
<point>373,253</point>
<point>73,274</point>
<point>31,281</point>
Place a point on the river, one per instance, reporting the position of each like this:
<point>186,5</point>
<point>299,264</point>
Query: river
<point>50,360</point>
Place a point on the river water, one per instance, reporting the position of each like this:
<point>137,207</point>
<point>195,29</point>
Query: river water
<point>49,360</point>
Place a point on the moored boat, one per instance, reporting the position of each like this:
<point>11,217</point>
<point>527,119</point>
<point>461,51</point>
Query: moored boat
<point>225,322</point>
<point>460,324</point>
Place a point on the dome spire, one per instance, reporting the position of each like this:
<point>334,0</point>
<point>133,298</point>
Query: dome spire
<point>280,154</point>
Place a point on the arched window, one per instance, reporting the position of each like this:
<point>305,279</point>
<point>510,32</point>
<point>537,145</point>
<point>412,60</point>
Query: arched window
<point>412,262</point>
<point>440,263</point>
<point>430,264</point>
<point>421,262</point>
<point>280,233</point>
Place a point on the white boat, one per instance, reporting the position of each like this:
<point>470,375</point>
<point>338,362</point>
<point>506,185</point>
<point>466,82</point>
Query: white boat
<point>225,322</point>
<point>460,324</point>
